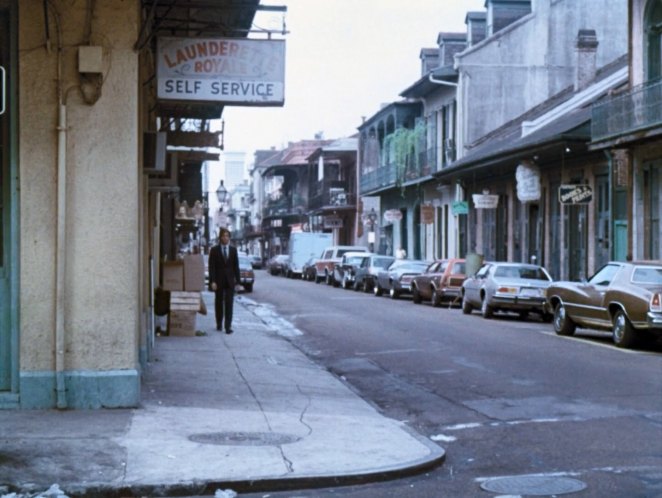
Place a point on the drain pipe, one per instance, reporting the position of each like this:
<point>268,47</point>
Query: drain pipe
<point>60,241</point>
<point>60,256</point>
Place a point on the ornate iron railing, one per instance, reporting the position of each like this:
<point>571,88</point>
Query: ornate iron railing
<point>635,110</point>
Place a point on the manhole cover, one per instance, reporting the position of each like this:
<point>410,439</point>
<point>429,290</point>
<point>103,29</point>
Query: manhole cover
<point>244,438</point>
<point>533,485</point>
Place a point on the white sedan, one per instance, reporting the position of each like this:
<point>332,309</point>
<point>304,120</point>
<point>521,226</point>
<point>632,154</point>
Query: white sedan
<point>517,287</point>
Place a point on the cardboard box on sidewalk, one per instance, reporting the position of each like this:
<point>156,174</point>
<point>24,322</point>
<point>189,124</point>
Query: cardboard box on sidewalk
<point>173,275</point>
<point>184,306</point>
<point>181,323</point>
<point>194,272</point>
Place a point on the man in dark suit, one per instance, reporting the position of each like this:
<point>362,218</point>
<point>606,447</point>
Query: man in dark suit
<point>224,277</point>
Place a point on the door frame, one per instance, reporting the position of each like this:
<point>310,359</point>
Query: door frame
<point>9,267</point>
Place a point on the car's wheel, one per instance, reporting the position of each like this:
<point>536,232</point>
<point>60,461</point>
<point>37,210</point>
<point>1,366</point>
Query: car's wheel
<point>377,290</point>
<point>345,283</point>
<point>467,308</point>
<point>366,286</point>
<point>623,332</point>
<point>328,278</point>
<point>523,315</point>
<point>563,324</point>
<point>248,287</point>
<point>416,296</point>
<point>436,298</point>
<point>356,286</point>
<point>394,294</point>
<point>485,309</point>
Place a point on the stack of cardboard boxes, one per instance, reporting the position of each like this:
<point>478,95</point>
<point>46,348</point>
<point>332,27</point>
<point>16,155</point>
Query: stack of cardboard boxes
<point>185,279</point>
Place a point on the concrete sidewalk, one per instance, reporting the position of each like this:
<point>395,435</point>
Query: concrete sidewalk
<point>248,412</point>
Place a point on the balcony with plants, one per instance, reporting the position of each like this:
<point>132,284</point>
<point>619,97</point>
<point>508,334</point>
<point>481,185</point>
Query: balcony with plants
<point>403,158</point>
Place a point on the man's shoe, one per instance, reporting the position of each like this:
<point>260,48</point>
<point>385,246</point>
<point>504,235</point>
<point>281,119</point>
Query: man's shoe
<point>228,331</point>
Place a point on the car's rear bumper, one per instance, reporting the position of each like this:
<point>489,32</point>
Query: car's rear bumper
<point>519,303</point>
<point>654,320</point>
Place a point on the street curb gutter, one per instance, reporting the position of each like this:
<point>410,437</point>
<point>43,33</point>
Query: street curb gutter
<point>196,488</point>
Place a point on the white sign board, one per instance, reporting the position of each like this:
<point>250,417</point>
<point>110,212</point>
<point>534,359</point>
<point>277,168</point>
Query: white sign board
<point>228,70</point>
<point>528,182</point>
<point>392,215</point>
<point>485,201</point>
<point>333,222</point>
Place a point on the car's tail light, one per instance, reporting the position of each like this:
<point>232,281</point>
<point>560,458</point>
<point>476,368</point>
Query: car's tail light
<point>656,302</point>
<point>507,290</point>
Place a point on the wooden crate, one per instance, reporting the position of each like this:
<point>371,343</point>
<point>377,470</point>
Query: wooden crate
<point>184,307</point>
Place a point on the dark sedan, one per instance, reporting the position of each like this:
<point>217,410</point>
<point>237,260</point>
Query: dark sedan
<point>366,274</point>
<point>396,279</point>
<point>278,264</point>
<point>625,298</point>
<point>344,273</point>
<point>441,281</point>
<point>246,272</point>
<point>308,271</point>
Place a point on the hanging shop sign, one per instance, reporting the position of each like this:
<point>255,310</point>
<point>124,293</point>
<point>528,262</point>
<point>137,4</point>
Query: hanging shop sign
<point>621,167</point>
<point>460,207</point>
<point>575,194</point>
<point>528,181</point>
<point>391,215</point>
<point>333,222</point>
<point>485,201</point>
<point>230,70</point>
<point>427,214</point>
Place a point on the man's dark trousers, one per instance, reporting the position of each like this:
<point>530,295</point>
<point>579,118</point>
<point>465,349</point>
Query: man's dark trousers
<point>223,306</point>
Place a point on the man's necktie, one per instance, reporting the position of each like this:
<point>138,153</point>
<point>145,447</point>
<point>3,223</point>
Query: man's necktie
<point>225,253</point>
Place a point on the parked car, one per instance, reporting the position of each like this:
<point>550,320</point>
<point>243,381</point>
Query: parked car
<point>256,261</point>
<point>344,273</point>
<point>308,269</point>
<point>366,274</point>
<point>441,282</point>
<point>329,258</point>
<point>246,273</point>
<point>277,264</point>
<point>518,287</point>
<point>396,279</point>
<point>625,298</point>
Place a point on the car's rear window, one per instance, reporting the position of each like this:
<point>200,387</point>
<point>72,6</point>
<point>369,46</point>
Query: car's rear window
<point>459,268</point>
<point>647,275</point>
<point>383,262</point>
<point>520,272</point>
<point>343,251</point>
<point>355,260</point>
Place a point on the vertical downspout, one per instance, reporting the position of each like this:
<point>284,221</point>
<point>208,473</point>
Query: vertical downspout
<point>60,242</point>
<point>60,255</point>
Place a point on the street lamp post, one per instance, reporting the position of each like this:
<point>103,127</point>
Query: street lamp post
<point>222,196</point>
<point>372,217</point>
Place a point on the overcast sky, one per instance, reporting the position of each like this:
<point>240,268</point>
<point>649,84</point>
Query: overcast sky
<point>344,58</point>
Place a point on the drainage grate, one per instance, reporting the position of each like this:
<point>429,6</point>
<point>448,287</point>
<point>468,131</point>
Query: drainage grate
<point>244,438</point>
<point>533,485</point>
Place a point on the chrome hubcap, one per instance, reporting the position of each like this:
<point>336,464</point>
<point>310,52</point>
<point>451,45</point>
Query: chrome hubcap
<point>619,326</point>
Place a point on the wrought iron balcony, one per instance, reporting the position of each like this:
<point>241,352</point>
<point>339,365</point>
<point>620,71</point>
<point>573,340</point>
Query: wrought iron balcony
<point>331,193</point>
<point>394,174</point>
<point>284,206</point>
<point>636,110</point>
